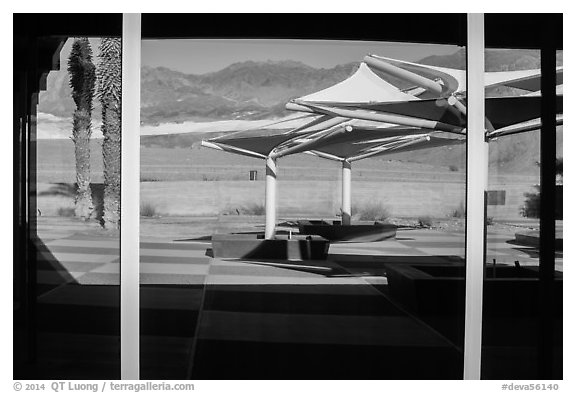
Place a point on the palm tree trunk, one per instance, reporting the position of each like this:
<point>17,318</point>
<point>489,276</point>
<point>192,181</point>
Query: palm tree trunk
<point>111,150</point>
<point>109,74</point>
<point>84,207</point>
<point>82,78</point>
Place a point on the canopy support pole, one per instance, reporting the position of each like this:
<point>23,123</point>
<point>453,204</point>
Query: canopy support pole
<point>346,192</point>
<point>270,198</point>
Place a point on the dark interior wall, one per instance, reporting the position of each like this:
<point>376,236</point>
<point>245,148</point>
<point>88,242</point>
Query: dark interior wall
<point>33,59</point>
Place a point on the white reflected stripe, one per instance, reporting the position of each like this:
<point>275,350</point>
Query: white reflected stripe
<point>77,257</point>
<point>222,279</point>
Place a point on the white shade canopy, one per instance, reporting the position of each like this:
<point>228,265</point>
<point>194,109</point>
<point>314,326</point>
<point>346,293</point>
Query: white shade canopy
<point>363,86</point>
<point>365,115</point>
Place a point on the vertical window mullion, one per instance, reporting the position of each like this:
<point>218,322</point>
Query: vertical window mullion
<point>476,185</point>
<point>130,199</point>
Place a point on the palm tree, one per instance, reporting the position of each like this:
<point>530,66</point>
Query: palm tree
<point>82,78</point>
<point>109,92</point>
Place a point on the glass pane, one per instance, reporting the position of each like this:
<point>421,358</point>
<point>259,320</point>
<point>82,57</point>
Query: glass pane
<point>512,325</point>
<point>224,295</point>
<point>70,307</point>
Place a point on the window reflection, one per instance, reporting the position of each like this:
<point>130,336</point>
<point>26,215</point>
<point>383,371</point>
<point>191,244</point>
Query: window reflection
<point>226,166</point>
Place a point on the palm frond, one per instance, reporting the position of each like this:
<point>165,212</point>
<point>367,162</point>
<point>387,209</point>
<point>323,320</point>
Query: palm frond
<point>82,73</point>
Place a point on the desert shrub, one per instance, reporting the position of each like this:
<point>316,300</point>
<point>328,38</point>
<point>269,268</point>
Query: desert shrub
<point>489,220</point>
<point>376,211</point>
<point>147,210</point>
<point>253,209</point>
<point>66,212</point>
<point>531,208</point>
<point>453,168</point>
<point>230,211</point>
<point>459,212</point>
<point>425,221</point>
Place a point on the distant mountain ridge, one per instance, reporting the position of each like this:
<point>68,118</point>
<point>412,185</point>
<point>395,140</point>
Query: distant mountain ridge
<point>247,90</point>
<point>495,60</point>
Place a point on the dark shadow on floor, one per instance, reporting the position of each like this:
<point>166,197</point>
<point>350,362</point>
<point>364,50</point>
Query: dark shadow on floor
<point>73,329</point>
<point>315,332</point>
<point>168,321</point>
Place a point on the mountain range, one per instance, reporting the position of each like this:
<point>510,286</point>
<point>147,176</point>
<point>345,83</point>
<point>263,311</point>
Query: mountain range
<point>248,90</point>
<point>242,91</point>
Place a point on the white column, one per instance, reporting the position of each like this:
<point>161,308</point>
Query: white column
<point>346,192</point>
<point>476,185</point>
<point>271,198</point>
<point>130,201</point>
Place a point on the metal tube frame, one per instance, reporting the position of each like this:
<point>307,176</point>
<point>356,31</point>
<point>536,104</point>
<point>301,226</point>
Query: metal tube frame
<point>317,138</point>
<point>232,149</point>
<point>385,118</point>
<point>397,144</point>
<point>411,77</point>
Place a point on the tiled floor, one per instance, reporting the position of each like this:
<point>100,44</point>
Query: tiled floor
<point>205,318</point>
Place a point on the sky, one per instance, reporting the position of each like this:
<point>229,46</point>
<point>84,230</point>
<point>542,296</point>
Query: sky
<point>204,56</point>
